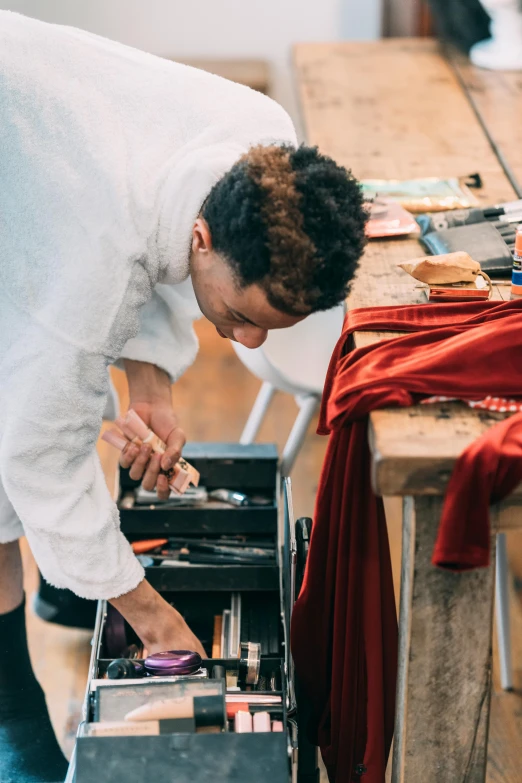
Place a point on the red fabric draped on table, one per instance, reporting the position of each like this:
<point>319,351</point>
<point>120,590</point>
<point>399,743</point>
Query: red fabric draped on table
<point>344,628</point>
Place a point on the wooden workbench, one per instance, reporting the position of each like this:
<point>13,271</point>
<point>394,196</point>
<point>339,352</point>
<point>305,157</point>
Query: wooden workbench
<point>396,109</point>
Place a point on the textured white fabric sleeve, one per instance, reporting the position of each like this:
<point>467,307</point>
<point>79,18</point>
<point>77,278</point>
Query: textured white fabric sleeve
<point>166,337</point>
<point>52,475</point>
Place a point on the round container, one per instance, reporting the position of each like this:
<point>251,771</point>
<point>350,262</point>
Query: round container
<point>249,663</point>
<point>173,662</point>
<point>124,669</point>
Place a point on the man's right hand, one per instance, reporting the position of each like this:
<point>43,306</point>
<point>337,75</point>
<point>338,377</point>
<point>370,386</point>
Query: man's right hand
<point>159,626</point>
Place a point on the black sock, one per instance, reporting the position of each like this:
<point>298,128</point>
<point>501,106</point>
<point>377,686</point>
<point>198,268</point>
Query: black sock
<point>29,751</point>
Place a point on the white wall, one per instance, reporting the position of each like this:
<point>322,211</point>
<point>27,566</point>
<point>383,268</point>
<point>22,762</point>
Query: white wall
<point>216,28</point>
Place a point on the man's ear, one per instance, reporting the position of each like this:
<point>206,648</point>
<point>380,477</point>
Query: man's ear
<point>201,237</point>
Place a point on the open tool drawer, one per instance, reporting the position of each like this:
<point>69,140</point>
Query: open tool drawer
<point>180,756</point>
<point>250,592</point>
<point>250,470</point>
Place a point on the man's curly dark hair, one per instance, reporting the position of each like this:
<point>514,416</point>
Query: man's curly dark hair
<point>292,221</point>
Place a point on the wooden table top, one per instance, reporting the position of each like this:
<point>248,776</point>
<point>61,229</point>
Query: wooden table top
<point>396,109</point>
<point>496,97</point>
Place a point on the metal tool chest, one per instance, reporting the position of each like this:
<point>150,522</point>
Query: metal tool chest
<point>265,592</point>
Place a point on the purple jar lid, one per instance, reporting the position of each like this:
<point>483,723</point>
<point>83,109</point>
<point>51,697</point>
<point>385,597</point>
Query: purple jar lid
<point>173,662</point>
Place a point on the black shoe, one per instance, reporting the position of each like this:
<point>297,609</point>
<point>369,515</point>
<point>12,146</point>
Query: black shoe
<point>63,607</point>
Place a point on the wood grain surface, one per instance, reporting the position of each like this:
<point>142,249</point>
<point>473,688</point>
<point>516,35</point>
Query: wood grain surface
<point>395,109</point>
<point>496,97</point>
<point>444,663</point>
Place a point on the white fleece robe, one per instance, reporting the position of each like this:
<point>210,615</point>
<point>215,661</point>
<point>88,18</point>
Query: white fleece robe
<point>106,157</point>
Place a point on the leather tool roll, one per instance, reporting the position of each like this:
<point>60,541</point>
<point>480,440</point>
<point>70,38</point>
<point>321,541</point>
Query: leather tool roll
<point>481,240</point>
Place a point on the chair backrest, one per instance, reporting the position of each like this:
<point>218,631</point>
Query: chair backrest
<point>296,359</point>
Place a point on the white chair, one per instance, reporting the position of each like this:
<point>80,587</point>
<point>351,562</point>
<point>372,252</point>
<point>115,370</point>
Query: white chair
<point>295,360</point>
<point>503,50</point>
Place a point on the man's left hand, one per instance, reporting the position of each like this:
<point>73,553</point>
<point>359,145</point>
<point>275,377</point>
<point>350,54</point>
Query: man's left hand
<point>150,397</point>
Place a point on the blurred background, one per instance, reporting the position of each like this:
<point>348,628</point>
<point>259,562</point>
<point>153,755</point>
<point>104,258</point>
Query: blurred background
<point>258,32</point>
<point>262,30</point>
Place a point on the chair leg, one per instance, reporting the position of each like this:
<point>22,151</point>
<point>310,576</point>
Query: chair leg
<point>308,406</point>
<point>502,612</point>
<point>257,414</point>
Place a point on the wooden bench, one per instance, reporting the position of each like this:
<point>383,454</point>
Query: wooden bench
<point>396,109</point>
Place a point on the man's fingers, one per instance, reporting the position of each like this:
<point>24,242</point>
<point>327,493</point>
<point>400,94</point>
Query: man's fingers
<point>151,474</point>
<point>140,463</point>
<point>175,443</point>
<point>128,455</point>
<point>162,487</point>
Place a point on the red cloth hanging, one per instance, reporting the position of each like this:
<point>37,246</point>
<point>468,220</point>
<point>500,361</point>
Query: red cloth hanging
<point>344,628</point>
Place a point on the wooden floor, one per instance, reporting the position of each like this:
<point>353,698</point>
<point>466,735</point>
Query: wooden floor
<point>213,400</point>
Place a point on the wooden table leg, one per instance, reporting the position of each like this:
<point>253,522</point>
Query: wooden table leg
<point>444,681</point>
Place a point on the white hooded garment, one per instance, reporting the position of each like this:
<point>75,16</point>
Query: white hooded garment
<point>106,157</point>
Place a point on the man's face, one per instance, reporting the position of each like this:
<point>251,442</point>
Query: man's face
<point>240,314</point>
